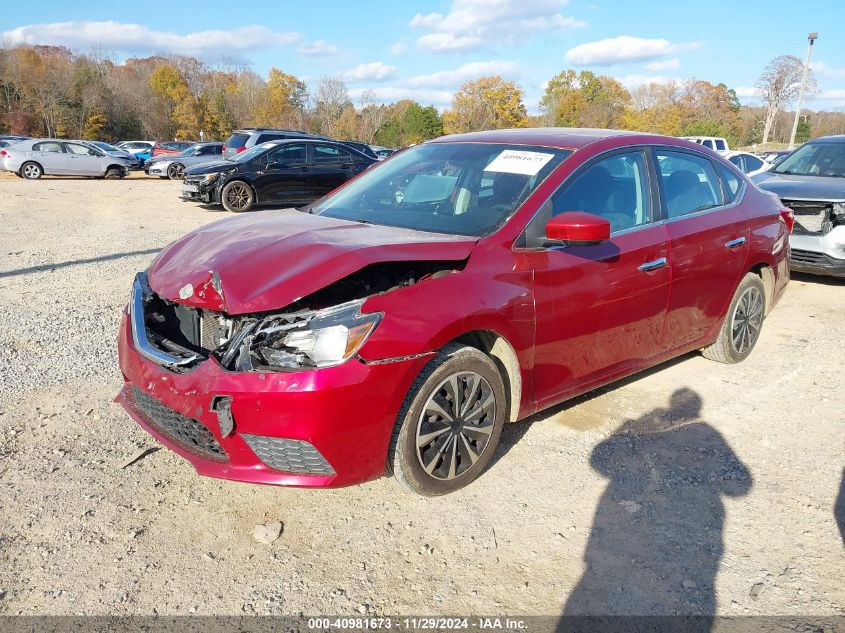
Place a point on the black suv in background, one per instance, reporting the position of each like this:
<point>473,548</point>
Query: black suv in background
<point>242,140</point>
<point>290,172</point>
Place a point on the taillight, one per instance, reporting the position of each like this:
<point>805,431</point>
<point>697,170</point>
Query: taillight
<point>239,149</point>
<point>3,152</point>
<point>788,218</point>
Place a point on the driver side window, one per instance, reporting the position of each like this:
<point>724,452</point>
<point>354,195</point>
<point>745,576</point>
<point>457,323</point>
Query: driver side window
<point>615,188</point>
<point>73,148</point>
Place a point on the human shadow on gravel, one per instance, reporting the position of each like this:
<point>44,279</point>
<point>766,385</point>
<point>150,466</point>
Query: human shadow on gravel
<point>656,538</point>
<point>74,262</point>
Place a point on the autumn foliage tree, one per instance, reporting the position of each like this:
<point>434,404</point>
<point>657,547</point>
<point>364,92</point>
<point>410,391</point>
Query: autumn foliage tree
<point>487,103</point>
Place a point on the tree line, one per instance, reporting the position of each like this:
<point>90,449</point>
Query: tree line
<point>53,91</point>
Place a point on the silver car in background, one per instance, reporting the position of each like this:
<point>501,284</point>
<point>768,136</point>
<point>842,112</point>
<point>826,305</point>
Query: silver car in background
<point>53,157</point>
<point>173,166</point>
<point>134,161</point>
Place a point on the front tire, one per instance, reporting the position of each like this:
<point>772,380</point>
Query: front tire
<point>450,423</point>
<point>744,320</point>
<point>113,174</point>
<point>32,171</point>
<point>176,171</point>
<point>237,197</point>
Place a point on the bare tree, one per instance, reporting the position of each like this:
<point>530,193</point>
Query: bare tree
<point>373,116</point>
<point>331,98</point>
<point>779,86</point>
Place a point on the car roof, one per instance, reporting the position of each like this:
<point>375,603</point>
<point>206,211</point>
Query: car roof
<point>833,138</point>
<point>560,137</point>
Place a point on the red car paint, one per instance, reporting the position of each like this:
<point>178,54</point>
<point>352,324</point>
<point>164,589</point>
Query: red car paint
<point>572,319</point>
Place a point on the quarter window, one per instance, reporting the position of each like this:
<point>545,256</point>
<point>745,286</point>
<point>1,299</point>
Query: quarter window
<point>689,182</point>
<point>615,188</point>
<point>731,183</point>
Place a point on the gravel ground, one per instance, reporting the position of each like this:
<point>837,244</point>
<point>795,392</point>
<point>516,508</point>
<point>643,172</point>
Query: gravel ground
<point>694,488</point>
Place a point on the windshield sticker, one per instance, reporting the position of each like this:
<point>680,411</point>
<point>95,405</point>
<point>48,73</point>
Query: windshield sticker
<point>513,161</point>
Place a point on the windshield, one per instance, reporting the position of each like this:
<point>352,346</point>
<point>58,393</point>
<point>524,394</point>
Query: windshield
<point>248,155</point>
<point>815,159</point>
<point>454,188</point>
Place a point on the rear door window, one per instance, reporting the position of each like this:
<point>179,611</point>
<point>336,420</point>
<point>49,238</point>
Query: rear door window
<point>707,143</point>
<point>48,146</point>
<point>326,154</point>
<point>752,163</point>
<point>689,182</point>
<point>720,145</point>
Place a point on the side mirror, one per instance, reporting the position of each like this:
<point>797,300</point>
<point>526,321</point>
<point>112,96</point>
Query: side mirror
<point>576,228</point>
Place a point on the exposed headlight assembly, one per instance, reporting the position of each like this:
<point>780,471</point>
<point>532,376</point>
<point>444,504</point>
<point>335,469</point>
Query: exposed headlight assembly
<point>209,178</point>
<point>309,339</point>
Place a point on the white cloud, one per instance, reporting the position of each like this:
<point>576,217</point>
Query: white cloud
<point>820,68</point>
<point>387,94</point>
<point>835,94</point>
<point>632,82</point>
<point>318,48</point>
<point>623,49</point>
<point>398,49</point>
<point>454,78</point>
<point>667,64</point>
<point>374,71</point>
<point>747,92</point>
<point>472,24</point>
<point>135,38</point>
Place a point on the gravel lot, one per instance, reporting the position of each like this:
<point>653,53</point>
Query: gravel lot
<point>719,498</point>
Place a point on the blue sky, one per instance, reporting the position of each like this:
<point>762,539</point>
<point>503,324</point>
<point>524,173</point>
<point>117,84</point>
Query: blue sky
<point>425,50</point>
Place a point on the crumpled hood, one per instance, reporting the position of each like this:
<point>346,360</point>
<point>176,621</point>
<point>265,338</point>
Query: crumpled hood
<point>268,259</point>
<point>802,187</point>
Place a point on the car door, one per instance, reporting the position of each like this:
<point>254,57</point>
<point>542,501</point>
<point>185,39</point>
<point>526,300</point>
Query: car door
<point>709,235</point>
<point>599,309</point>
<point>83,160</point>
<point>284,175</point>
<point>333,166</point>
<point>51,156</point>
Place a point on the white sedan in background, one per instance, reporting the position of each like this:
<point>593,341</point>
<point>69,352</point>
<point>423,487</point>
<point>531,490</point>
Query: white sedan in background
<point>747,162</point>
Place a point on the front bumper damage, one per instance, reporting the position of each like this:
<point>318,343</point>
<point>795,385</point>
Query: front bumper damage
<point>194,190</point>
<point>318,428</point>
<point>817,243</point>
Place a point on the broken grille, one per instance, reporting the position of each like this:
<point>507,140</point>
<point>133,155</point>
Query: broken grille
<point>185,431</point>
<point>811,217</point>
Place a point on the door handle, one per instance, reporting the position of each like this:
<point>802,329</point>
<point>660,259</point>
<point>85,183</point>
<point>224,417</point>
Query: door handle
<point>653,265</point>
<point>734,243</point>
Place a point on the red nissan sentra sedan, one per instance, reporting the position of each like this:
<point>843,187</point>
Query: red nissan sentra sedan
<point>398,323</point>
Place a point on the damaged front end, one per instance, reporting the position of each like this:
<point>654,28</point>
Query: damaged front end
<point>324,329</point>
<point>816,217</point>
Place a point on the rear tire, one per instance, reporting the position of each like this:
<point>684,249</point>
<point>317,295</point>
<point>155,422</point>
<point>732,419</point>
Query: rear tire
<point>237,197</point>
<point>742,325</point>
<point>31,171</point>
<point>450,423</point>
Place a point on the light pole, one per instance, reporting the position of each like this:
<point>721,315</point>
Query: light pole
<point>812,37</point>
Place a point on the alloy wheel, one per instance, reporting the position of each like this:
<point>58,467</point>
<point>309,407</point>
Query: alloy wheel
<point>31,171</point>
<point>238,196</point>
<point>747,320</point>
<point>175,171</point>
<point>455,425</point>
